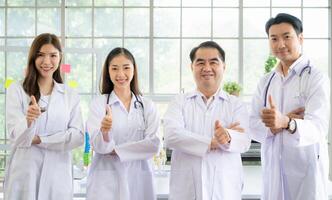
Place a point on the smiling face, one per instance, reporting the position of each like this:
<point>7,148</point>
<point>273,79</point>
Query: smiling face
<point>121,71</point>
<point>47,61</point>
<point>208,69</point>
<point>285,44</point>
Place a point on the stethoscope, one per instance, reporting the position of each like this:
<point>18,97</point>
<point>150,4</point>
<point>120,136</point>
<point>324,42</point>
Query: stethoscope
<point>306,68</point>
<point>138,104</point>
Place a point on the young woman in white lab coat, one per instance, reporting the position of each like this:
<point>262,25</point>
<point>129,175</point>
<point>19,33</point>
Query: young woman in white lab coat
<point>123,127</point>
<point>44,124</point>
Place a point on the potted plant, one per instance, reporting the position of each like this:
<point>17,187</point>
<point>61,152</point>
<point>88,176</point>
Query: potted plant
<point>270,63</point>
<point>232,88</point>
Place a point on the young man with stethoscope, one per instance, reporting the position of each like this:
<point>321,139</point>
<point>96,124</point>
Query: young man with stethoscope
<point>290,118</point>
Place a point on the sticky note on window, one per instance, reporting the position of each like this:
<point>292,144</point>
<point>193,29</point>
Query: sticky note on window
<point>65,68</point>
<point>72,84</point>
<point>8,82</point>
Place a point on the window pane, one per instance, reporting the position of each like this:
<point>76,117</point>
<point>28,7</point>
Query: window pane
<point>2,117</point>
<point>21,2</point>
<point>166,66</point>
<point>256,3</point>
<point>2,22</point>
<point>197,3</point>
<point>167,22</point>
<point>137,22</point>
<point>2,72</point>
<point>316,3</point>
<point>108,22</point>
<point>78,43</point>
<point>196,22</point>
<point>78,3</point>
<point>293,11</point>
<point>188,83</point>
<point>137,2</point>
<point>48,20</point>
<point>226,3</point>
<point>2,42</point>
<point>16,65</point>
<point>319,58</point>
<point>286,3</point>
<point>254,20</point>
<point>231,48</point>
<point>78,22</point>
<point>49,3</point>
<point>2,2</point>
<point>108,2</point>
<point>19,42</point>
<point>225,22</point>
<point>162,108</point>
<point>140,49</point>
<point>21,22</point>
<point>85,105</point>
<point>166,3</point>
<point>104,47</point>
<point>254,60</point>
<point>107,44</point>
<point>316,26</point>
<point>81,70</point>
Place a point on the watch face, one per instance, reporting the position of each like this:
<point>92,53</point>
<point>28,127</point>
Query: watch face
<point>292,125</point>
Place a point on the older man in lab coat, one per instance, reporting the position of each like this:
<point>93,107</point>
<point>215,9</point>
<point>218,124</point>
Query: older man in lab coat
<point>206,161</point>
<point>290,116</point>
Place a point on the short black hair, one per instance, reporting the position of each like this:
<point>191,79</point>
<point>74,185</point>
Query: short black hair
<point>207,44</point>
<point>285,18</point>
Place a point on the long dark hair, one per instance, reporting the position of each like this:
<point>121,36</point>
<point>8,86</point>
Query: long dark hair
<point>106,85</point>
<point>30,83</point>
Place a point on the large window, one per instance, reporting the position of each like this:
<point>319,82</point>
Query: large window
<point>160,34</point>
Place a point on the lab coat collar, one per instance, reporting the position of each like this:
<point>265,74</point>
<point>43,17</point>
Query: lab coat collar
<point>297,66</point>
<point>300,63</point>
<point>58,87</point>
<point>220,93</point>
<point>223,95</point>
<point>115,99</point>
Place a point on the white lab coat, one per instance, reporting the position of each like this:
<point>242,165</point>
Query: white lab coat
<point>295,166</point>
<point>43,171</point>
<point>129,175</point>
<point>197,173</point>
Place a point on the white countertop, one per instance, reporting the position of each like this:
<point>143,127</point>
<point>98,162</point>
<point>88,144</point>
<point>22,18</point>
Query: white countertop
<point>251,190</point>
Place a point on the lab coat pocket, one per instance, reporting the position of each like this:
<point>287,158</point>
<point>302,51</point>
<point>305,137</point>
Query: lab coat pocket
<point>139,126</point>
<point>295,162</point>
<point>141,185</point>
<point>182,185</point>
<point>227,184</point>
<point>103,185</point>
<point>299,100</point>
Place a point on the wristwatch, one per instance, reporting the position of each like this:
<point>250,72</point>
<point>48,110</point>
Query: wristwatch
<point>291,126</point>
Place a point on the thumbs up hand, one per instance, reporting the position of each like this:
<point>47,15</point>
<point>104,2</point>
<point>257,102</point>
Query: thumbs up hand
<point>106,123</point>
<point>271,102</point>
<point>221,134</point>
<point>33,111</point>
<point>273,118</point>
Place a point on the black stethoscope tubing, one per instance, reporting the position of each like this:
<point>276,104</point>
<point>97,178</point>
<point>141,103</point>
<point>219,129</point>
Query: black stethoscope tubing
<point>269,83</point>
<point>137,102</point>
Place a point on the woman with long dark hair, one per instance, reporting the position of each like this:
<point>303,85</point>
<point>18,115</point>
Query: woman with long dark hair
<point>123,127</point>
<point>44,124</point>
